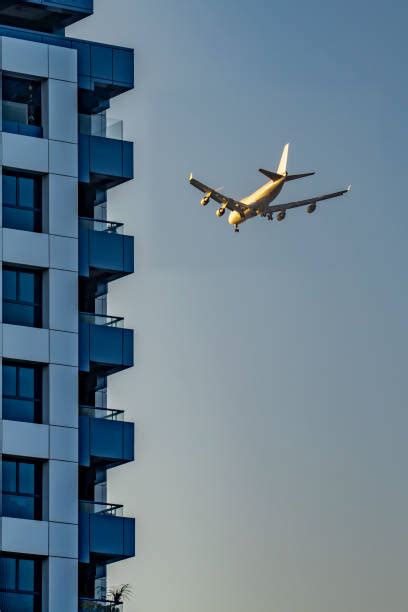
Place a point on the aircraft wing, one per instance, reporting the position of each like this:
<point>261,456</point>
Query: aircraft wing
<point>288,205</point>
<point>229,203</point>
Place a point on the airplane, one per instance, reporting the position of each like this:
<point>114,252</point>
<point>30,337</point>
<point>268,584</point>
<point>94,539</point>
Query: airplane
<point>258,204</point>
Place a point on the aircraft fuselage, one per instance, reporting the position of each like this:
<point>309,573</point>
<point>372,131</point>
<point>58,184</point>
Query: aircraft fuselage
<point>257,201</point>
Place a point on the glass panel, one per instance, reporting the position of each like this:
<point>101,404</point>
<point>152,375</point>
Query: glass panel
<point>9,285</point>
<point>18,506</point>
<point>26,192</point>
<point>16,218</point>
<point>16,314</point>
<point>8,574</point>
<point>9,380</point>
<point>14,602</point>
<point>9,190</point>
<point>26,287</point>
<point>27,478</point>
<point>19,410</point>
<point>26,387</point>
<point>9,472</point>
<point>26,575</point>
<point>15,111</point>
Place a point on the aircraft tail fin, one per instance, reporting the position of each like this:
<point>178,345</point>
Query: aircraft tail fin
<point>283,161</point>
<point>293,177</point>
<point>272,175</point>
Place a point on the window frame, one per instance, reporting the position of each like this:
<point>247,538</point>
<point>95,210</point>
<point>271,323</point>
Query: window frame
<point>36,209</point>
<point>37,400</point>
<point>38,485</point>
<point>37,579</point>
<point>36,304</point>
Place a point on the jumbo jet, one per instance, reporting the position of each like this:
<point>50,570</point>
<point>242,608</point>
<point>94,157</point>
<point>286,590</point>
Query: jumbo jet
<point>258,204</point>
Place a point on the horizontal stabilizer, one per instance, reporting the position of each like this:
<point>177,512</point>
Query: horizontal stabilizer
<point>274,176</point>
<point>293,177</point>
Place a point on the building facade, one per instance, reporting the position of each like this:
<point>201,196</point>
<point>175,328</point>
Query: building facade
<point>60,154</point>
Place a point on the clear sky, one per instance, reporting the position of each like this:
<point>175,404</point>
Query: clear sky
<point>269,391</point>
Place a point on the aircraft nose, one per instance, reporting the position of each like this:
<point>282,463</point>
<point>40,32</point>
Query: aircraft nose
<point>234,218</point>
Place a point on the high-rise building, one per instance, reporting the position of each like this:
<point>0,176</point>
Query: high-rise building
<point>60,154</point>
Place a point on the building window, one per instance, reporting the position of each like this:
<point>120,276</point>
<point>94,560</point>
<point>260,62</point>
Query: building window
<point>20,584</point>
<point>22,201</point>
<point>22,106</point>
<point>22,297</point>
<point>22,489</point>
<point>22,392</point>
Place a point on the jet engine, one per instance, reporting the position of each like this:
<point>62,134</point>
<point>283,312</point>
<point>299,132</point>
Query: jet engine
<point>204,200</point>
<point>311,208</point>
<point>219,212</point>
<point>281,215</point>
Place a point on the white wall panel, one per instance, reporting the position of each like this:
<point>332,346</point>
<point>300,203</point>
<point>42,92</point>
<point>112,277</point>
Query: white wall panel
<point>25,152</point>
<point>63,540</point>
<point>26,439</point>
<point>63,395</point>
<point>27,248</point>
<point>62,123</point>
<point>63,348</point>
<point>64,254</point>
<point>63,492</point>
<point>63,312</point>
<point>24,536</point>
<point>24,56</point>
<point>63,63</point>
<point>64,443</point>
<point>62,205</point>
<point>63,578</point>
<point>27,343</point>
<point>63,158</point>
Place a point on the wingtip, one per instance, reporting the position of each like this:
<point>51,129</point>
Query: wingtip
<point>349,188</point>
<point>190,177</point>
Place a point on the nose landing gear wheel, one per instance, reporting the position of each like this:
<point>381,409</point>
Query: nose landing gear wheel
<point>236,229</point>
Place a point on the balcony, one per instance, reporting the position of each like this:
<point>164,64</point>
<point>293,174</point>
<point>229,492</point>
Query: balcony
<point>44,15</point>
<point>104,162</point>
<point>105,254</point>
<point>105,536</point>
<point>99,605</point>
<point>105,347</point>
<point>104,71</point>
<point>105,439</point>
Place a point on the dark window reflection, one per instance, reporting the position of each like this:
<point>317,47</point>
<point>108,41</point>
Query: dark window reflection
<point>20,584</point>
<point>22,297</point>
<point>22,201</point>
<point>21,101</point>
<point>22,392</point>
<point>21,484</point>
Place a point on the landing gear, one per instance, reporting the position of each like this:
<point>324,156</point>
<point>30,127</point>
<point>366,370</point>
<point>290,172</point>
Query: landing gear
<point>269,216</point>
<point>236,229</point>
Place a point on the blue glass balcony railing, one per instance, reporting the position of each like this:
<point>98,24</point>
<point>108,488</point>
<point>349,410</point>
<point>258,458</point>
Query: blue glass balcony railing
<point>100,319</point>
<point>105,347</point>
<point>99,605</point>
<point>96,412</point>
<point>105,439</point>
<point>105,536</point>
<point>105,254</point>
<point>104,162</point>
<point>91,507</point>
<point>100,124</point>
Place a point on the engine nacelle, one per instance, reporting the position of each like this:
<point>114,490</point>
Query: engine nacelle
<point>311,208</point>
<point>204,200</point>
<point>281,215</point>
<point>219,212</point>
